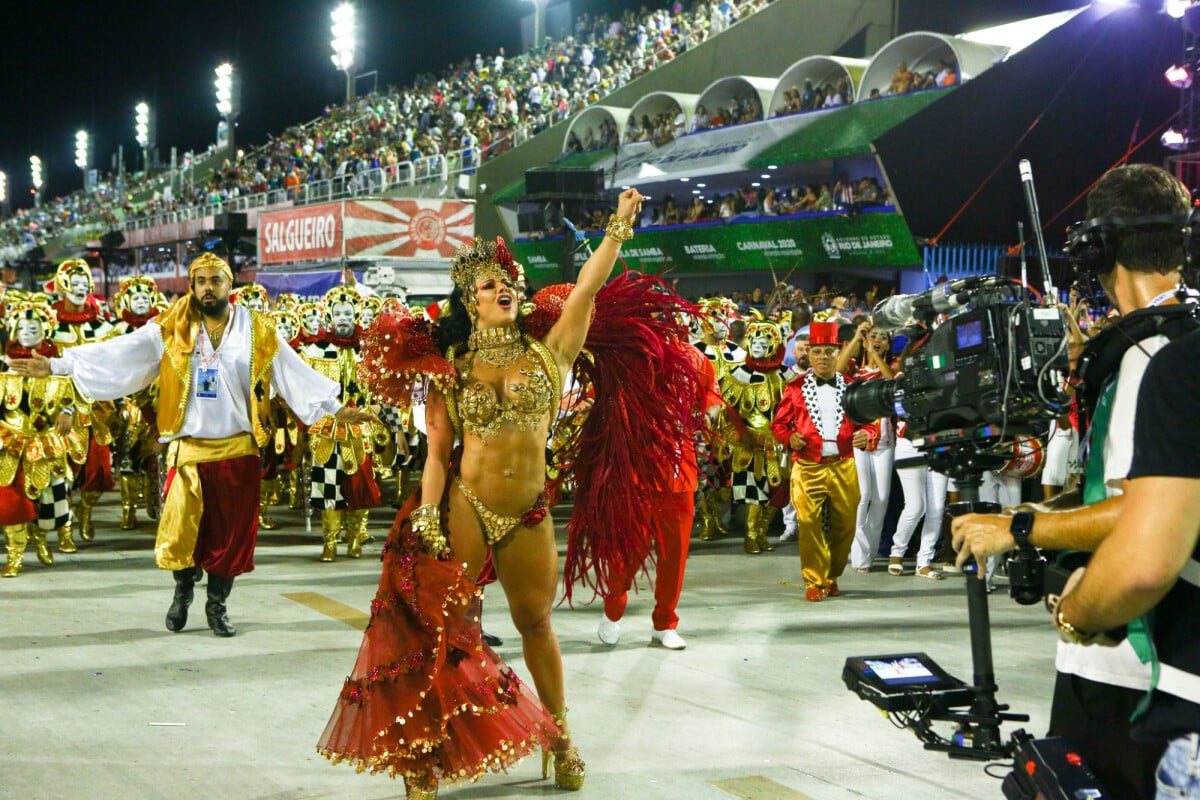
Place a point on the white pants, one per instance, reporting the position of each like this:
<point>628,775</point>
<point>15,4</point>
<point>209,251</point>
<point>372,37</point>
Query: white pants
<point>789,518</point>
<point>875,485</point>
<point>1062,451</point>
<point>1000,489</point>
<point>924,495</point>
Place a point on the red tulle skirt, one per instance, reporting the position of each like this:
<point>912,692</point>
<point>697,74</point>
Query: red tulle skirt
<point>427,698</point>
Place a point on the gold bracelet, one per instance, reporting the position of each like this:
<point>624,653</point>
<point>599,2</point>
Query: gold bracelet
<point>619,229</point>
<point>426,522</point>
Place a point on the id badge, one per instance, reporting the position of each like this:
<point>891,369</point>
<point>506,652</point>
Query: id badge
<point>206,383</point>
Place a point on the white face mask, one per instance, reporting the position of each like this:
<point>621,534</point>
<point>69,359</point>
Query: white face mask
<point>342,318</point>
<point>286,330</point>
<point>312,323</point>
<point>256,304</point>
<point>29,333</point>
<point>78,290</point>
<point>720,330</point>
<point>759,347</point>
<point>366,318</point>
<point>140,304</point>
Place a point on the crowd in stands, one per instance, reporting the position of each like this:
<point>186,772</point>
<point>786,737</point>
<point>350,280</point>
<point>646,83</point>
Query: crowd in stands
<point>813,97</point>
<point>738,111</point>
<point>905,80</point>
<point>450,122</point>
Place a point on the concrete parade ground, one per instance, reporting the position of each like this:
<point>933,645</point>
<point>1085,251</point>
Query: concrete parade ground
<point>101,701</point>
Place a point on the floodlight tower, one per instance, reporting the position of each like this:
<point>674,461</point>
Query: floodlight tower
<point>142,132</point>
<point>344,44</point>
<point>227,99</point>
<point>3,194</point>
<point>81,153</point>
<point>35,177</point>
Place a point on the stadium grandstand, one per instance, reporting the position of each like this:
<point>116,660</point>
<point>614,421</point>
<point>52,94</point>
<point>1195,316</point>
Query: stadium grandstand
<point>758,129</point>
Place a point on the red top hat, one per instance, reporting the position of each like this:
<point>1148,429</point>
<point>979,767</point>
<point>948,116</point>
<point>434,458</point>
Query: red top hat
<point>823,333</point>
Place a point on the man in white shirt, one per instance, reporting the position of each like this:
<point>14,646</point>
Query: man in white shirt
<point>1099,688</point>
<point>217,365</point>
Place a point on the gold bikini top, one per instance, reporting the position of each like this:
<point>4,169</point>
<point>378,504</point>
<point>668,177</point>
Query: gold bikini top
<point>475,408</point>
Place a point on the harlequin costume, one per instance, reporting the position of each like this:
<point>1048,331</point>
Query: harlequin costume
<point>343,485</point>
<point>752,391</point>
<point>137,436</point>
<point>37,462</point>
<point>214,406</point>
<point>80,322</point>
<point>422,660</point>
<point>289,445</point>
<point>823,476</point>
<point>710,329</point>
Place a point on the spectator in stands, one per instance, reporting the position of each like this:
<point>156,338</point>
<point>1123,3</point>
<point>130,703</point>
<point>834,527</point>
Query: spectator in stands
<point>770,204</point>
<point>701,121</point>
<point>868,192</point>
<point>874,95</point>
<point>573,143</point>
<point>948,74</point>
<point>824,198</point>
<point>697,211</point>
<point>808,100</point>
<point>843,192</point>
<point>902,81</point>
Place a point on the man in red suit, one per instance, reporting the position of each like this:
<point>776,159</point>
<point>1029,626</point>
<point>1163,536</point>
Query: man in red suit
<point>677,506</point>
<point>811,423</point>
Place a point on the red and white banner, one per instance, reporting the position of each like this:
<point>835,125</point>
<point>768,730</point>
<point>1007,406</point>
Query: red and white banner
<point>307,233</point>
<point>407,228</point>
<point>363,229</point>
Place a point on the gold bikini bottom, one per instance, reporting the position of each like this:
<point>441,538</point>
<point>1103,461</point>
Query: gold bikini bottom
<point>497,526</point>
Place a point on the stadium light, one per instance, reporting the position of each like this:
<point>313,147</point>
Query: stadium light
<point>226,92</point>
<point>1179,76</point>
<point>344,44</point>
<point>1177,8</point>
<point>81,150</point>
<point>141,128</point>
<point>3,188</point>
<point>1176,139</point>
<point>35,177</point>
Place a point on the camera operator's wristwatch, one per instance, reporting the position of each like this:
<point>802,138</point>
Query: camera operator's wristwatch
<point>1020,528</point>
<point>1068,632</point>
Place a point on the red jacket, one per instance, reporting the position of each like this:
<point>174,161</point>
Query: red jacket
<point>792,416</point>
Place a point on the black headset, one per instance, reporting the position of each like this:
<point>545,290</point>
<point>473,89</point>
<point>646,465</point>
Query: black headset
<point>1092,244</point>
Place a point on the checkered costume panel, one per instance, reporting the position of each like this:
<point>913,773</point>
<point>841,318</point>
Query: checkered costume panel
<point>54,506</point>
<point>749,488</point>
<point>326,488</point>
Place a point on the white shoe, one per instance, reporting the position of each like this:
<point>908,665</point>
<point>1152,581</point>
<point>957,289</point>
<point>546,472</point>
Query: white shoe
<point>668,639</point>
<point>788,535</point>
<point>609,631</point>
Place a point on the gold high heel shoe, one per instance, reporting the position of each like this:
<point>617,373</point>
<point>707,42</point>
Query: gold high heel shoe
<point>569,768</point>
<point>426,791</point>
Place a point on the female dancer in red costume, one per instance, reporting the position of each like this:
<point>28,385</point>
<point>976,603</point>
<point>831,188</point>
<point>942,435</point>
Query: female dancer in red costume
<point>427,699</point>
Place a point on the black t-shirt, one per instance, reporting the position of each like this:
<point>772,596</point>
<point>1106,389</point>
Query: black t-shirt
<point>1166,443</point>
<point>1166,436</point>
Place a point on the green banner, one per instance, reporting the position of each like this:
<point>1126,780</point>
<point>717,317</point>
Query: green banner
<point>811,243</point>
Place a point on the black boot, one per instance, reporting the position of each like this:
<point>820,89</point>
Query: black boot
<point>184,586</point>
<point>214,609</point>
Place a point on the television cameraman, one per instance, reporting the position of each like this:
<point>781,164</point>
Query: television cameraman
<point>1148,568</point>
<point>1098,689</point>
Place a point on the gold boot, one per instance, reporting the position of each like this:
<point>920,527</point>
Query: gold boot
<point>83,512</point>
<point>568,766</point>
<point>39,543</point>
<point>765,515</point>
<point>16,537</point>
<point>130,486</point>
<point>710,516</point>
<point>356,531</point>
<point>295,491</point>
<point>750,543</point>
<point>331,523</point>
<point>264,502</point>
<point>276,485</point>
<point>66,539</point>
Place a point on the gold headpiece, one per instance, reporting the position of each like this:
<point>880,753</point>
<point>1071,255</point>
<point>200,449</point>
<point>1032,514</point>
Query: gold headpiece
<point>373,302</point>
<point>483,260</point>
<point>209,260</point>
<point>761,329</point>
<point>290,316</point>
<point>252,291</point>
<point>135,284</point>
<point>62,276</point>
<point>26,309</point>
<point>340,294</point>
<point>287,301</point>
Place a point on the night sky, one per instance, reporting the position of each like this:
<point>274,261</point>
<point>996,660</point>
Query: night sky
<point>86,65</point>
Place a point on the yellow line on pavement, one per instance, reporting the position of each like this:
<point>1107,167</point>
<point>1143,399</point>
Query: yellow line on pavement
<point>757,787</point>
<point>331,608</point>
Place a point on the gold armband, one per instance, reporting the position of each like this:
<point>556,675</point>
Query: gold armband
<point>619,229</point>
<point>426,522</point>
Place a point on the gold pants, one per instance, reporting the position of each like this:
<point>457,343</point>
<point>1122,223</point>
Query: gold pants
<point>179,523</point>
<point>823,557</point>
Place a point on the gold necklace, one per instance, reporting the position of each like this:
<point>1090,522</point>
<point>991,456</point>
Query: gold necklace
<point>215,338</point>
<point>500,347</point>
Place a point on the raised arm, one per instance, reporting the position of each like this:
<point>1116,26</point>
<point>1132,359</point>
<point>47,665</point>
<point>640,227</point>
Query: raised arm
<point>567,336</point>
<point>104,370</point>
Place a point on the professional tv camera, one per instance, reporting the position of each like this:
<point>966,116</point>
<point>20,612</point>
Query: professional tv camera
<point>992,370</point>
